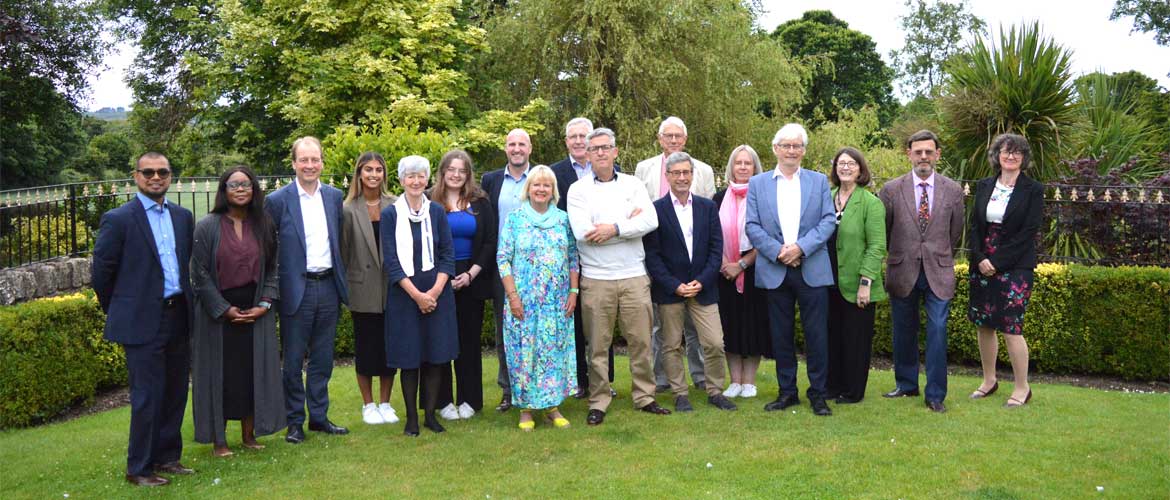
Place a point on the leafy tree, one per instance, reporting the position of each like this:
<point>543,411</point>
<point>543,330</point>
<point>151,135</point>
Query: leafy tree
<point>848,74</point>
<point>627,64</point>
<point>934,32</point>
<point>46,50</point>
<point>1148,15</point>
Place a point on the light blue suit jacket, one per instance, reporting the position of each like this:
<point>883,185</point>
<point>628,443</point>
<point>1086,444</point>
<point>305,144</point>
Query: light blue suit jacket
<point>284,206</point>
<point>817,223</point>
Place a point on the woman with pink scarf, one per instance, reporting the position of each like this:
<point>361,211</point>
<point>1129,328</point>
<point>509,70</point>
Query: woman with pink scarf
<point>743,309</point>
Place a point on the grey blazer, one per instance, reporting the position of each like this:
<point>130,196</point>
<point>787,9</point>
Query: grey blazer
<point>910,248</point>
<point>363,257</point>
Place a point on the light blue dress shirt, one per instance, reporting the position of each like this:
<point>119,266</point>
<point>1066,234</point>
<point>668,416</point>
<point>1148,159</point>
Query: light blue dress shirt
<point>159,217</point>
<point>510,195</point>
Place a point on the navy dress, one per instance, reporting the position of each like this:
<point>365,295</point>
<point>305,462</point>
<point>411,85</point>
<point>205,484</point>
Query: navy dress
<point>414,338</point>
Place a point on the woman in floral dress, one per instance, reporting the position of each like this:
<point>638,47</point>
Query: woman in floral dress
<point>537,259</point>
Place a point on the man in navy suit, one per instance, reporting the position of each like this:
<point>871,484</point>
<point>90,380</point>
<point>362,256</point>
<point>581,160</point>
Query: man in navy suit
<point>790,217</point>
<point>683,257</point>
<point>307,214</point>
<point>140,275</point>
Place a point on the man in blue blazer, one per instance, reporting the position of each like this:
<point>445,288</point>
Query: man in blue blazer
<point>307,214</point>
<point>683,256</point>
<point>140,274</point>
<point>790,217</point>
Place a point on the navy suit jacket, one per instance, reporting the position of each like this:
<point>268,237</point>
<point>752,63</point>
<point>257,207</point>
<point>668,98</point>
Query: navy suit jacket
<point>566,176</point>
<point>284,206</point>
<point>127,274</point>
<point>666,252</point>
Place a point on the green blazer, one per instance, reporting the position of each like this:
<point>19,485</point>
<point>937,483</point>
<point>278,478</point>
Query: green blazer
<point>861,245</point>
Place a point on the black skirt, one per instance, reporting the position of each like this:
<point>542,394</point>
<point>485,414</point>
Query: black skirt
<point>999,301</point>
<point>238,378</point>
<point>369,345</point>
<point>744,317</point>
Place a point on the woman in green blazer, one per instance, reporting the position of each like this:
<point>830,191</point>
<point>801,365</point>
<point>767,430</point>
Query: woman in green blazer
<point>856,250</point>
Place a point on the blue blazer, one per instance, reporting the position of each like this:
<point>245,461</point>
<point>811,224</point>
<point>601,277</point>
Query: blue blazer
<point>284,206</point>
<point>817,223</point>
<point>667,262</point>
<point>127,274</point>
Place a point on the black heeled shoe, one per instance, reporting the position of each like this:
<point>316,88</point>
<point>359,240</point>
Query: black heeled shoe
<point>978,394</point>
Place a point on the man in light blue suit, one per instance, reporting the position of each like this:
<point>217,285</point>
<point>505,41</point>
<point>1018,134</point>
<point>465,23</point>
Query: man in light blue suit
<point>790,217</point>
<point>307,215</point>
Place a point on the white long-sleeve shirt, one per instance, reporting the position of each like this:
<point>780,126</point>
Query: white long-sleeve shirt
<point>594,202</point>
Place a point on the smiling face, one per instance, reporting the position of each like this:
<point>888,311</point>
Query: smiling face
<point>153,177</point>
<point>789,153</point>
<point>680,175</point>
<point>518,148</point>
<point>414,183</point>
<point>575,142</point>
<point>307,162</point>
<point>742,168</point>
<point>239,190</point>
<point>923,156</point>
<point>1009,160</point>
<point>672,139</point>
<point>540,191</point>
<point>455,175</point>
<point>602,154</point>
<point>372,175</point>
<point>847,169</point>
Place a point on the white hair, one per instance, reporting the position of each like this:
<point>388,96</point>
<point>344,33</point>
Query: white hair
<point>791,131</point>
<point>678,157</point>
<point>580,120</point>
<point>598,132</point>
<point>672,120</point>
<point>413,164</point>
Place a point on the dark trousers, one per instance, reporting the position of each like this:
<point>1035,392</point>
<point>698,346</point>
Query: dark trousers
<point>309,332</point>
<point>850,346</point>
<point>905,317</point>
<point>500,308</point>
<point>814,305</point>
<point>469,365</point>
<point>158,393</point>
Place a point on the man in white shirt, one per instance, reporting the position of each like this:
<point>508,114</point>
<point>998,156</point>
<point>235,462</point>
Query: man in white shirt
<point>609,213</point>
<point>672,137</point>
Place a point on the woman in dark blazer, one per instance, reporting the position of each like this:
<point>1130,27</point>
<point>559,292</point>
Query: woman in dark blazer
<point>856,250</point>
<point>235,353</point>
<point>1002,246</point>
<point>419,262</point>
<point>473,231</point>
<point>361,218</point>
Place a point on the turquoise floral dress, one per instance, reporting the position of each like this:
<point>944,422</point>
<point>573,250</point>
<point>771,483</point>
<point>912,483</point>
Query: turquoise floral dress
<point>539,252</point>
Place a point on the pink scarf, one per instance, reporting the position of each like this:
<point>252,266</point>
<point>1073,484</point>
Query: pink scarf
<point>732,225</point>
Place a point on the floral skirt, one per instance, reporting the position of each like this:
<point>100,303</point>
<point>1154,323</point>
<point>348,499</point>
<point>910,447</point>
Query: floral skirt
<point>998,301</point>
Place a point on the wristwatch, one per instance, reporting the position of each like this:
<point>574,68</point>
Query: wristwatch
<point>742,264</point>
<point>265,304</point>
<point>866,281</point>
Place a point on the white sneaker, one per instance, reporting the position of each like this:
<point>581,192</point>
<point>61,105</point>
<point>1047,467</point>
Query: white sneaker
<point>732,390</point>
<point>370,414</point>
<point>388,413</point>
<point>749,391</point>
<point>465,411</point>
<point>449,412</point>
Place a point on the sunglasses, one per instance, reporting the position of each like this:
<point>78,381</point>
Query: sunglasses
<point>148,173</point>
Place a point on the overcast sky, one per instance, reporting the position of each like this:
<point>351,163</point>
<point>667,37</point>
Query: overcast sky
<point>1083,26</point>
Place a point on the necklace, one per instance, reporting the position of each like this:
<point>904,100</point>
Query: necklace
<point>373,204</point>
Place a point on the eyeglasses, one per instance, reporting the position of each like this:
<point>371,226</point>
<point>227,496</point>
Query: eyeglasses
<point>1011,154</point>
<point>603,147</point>
<point>234,185</point>
<point>847,164</point>
<point>672,137</point>
<point>790,147</point>
<point>680,173</point>
<point>148,173</point>
<point>575,137</point>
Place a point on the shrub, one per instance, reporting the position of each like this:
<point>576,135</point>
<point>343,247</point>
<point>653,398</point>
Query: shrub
<point>40,237</point>
<point>51,356</point>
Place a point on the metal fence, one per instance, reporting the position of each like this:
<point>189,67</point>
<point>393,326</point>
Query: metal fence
<point>1104,225</point>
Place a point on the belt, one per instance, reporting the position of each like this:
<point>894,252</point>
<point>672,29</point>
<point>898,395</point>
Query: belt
<point>173,301</point>
<point>319,275</point>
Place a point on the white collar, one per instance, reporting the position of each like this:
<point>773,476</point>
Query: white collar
<point>776,173</point>
<point>301,191</point>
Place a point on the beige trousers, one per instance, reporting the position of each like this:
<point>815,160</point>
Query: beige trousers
<point>710,330</point>
<point>604,302</point>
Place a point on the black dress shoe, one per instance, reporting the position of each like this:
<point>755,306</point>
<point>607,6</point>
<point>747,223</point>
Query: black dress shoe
<point>820,407</point>
<point>782,402</point>
<point>720,401</point>
<point>595,417</point>
<point>899,393</point>
<point>174,468</point>
<point>328,428</point>
<point>581,394</point>
<point>295,434</point>
<point>936,406</point>
<point>434,425</point>
<point>654,408</point>
<point>661,388</point>
<point>147,480</point>
<point>683,404</point>
<point>505,404</point>
<point>846,400</point>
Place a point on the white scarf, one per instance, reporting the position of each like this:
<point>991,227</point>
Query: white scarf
<point>404,240</point>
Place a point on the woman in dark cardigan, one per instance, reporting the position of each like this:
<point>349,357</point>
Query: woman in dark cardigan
<point>235,353</point>
<point>1002,245</point>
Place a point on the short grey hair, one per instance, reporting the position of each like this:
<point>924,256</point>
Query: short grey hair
<point>580,120</point>
<point>731,161</point>
<point>679,157</point>
<point>413,164</point>
<point>598,132</point>
<point>791,131</point>
<point>672,120</point>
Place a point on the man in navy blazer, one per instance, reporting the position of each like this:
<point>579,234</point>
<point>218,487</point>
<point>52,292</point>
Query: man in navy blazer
<point>307,214</point>
<point>140,274</point>
<point>683,256</point>
<point>790,217</point>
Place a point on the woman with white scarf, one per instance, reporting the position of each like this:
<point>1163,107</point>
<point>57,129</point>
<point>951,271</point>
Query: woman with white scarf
<point>419,261</point>
<point>743,309</point>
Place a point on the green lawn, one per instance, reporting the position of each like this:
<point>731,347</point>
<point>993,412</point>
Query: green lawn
<point>1066,444</point>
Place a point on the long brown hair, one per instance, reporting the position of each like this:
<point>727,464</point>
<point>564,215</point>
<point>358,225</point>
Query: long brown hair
<point>355,184</point>
<point>470,191</point>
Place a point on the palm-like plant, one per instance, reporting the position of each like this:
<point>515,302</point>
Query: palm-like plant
<point>1022,85</point>
<point>1108,133</point>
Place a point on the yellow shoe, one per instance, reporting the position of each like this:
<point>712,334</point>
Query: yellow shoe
<point>529,425</point>
<point>560,422</point>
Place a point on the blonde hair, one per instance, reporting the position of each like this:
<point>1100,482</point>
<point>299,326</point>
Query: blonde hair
<point>729,174</point>
<point>540,172</point>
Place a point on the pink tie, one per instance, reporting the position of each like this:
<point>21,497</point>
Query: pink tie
<point>663,185</point>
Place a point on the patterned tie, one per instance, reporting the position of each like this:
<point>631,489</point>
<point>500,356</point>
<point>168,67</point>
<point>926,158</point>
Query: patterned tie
<point>923,209</point>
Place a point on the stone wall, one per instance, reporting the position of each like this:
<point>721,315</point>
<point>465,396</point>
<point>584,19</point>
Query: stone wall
<point>42,280</point>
